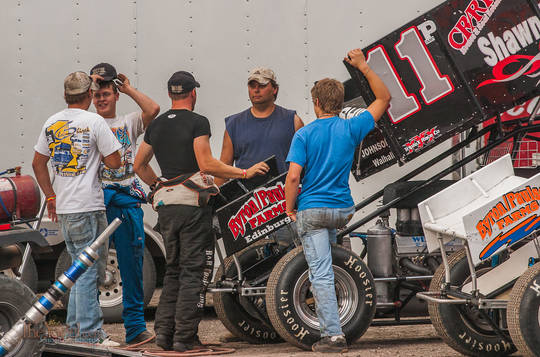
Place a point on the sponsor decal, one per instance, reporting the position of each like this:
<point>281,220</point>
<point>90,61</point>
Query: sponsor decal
<point>523,66</point>
<point>373,149</point>
<point>469,25</point>
<point>265,204</point>
<point>425,138</point>
<point>515,215</point>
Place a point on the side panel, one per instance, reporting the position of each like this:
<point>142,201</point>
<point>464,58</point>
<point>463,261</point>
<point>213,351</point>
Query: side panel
<point>447,70</point>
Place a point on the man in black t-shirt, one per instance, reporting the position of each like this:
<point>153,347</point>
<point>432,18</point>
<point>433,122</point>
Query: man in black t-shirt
<point>180,140</point>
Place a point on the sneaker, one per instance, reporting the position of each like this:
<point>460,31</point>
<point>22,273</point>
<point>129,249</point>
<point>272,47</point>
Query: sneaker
<point>142,337</point>
<point>107,342</point>
<point>330,344</point>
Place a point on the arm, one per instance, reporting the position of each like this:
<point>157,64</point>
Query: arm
<point>150,109</point>
<point>142,164</point>
<point>382,96</point>
<point>209,165</point>
<point>113,160</point>
<point>291,188</point>
<point>39,165</point>
<point>227,155</point>
<point>298,123</point>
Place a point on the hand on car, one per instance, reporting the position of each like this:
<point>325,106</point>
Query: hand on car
<point>357,59</point>
<point>260,168</point>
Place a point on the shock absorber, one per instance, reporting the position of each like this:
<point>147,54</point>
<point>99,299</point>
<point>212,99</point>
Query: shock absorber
<point>41,308</point>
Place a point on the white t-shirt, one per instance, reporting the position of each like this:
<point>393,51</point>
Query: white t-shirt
<point>127,128</point>
<point>75,140</point>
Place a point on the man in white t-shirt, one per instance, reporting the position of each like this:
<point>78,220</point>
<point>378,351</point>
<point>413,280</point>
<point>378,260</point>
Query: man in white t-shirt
<point>75,140</point>
<point>123,192</point>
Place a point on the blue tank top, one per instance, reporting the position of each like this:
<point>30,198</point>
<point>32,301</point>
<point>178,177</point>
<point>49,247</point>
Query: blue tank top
<point>256,139</point>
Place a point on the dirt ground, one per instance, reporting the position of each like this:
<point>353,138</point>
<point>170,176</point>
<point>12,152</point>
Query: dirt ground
<point>416,340</point>
<point>404,340</point>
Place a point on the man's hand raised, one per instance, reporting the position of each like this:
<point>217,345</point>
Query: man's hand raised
<point>357,59</point>
<point>126,85</point>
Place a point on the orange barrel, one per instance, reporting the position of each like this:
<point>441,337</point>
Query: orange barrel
<point>20,197</point>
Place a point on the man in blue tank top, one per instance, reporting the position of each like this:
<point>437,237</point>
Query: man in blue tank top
<point>324,149</point>
<point>263,130</point>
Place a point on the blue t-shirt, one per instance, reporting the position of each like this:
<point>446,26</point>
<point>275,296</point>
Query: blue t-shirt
<point>325,149</point>
<point>256,139</point>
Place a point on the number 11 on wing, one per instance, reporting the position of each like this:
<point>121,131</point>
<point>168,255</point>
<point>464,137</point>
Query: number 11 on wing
<point>434,85</point>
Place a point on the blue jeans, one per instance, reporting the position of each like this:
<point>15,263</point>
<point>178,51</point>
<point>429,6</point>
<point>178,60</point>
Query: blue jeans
<point>84,315</point>
<point>317,229</point>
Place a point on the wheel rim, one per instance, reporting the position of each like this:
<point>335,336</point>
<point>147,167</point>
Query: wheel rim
<point>110,291</point>
<point>346,293</point>
<point>472,317</point>
<point>9,314</point>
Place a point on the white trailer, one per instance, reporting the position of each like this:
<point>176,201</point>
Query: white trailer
<point>218,41</point>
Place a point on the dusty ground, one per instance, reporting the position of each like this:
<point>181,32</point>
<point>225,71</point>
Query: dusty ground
<point>405,340</point>
<point>412,340</point>
<point>418,340</point>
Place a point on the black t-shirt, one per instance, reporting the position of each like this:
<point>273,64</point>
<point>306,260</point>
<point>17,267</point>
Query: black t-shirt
<point>171,136</point>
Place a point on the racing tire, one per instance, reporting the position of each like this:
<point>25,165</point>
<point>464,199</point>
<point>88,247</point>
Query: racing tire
<point>291,306</point>
<point>461,327</point>
<point>110,295</point>
<point>231,310</point>
<point>523,312</point>
<point>15,299</point>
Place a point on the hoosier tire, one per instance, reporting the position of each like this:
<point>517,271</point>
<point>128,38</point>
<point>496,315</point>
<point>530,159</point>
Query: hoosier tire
<point>523,312</point>
<point>15,299</point>
<point>291,306</point>
<point>461,327</point>
<point>231,308</point>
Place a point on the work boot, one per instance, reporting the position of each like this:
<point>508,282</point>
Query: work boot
<point>330,344</point>
<point>143,336</point>
<point>165,342</point>
<point>197,344</point>
<point>182,346</point>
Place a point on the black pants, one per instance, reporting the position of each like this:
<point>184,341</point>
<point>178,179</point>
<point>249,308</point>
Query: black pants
<point>189,244</point>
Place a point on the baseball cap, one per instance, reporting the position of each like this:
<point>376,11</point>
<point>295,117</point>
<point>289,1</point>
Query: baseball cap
<point>182,82</point>
<point>105,70</point>
<point>262,75</point>
<point>78,83</point>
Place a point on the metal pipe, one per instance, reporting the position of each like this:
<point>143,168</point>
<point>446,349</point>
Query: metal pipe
<point>45,303</point>
<point>444,259</point>
<point>403,278</point>
<point>238,267</point>
<point>427,297</point>
<point>471,268</point>
<point>28,248</point>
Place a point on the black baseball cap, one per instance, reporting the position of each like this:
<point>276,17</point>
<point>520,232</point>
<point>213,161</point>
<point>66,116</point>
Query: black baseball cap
<point>105,70</point>
<point>182,82</point>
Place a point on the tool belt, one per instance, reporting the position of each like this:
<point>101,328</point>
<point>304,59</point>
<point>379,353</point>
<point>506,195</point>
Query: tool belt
<point>193,189</point>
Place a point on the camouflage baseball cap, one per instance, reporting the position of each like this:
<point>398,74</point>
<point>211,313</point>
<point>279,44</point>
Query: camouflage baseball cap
<point>262,75</point>
<point>78,83</point>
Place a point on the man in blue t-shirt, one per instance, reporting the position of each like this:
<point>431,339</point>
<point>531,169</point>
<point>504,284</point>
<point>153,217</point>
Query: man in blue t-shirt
<point>324,149</point>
